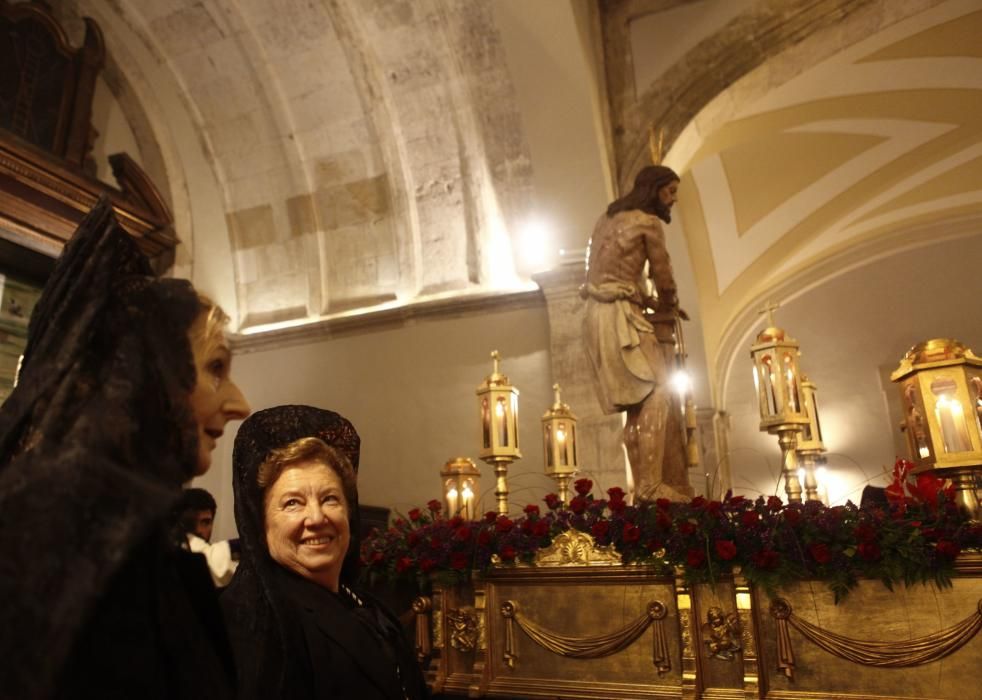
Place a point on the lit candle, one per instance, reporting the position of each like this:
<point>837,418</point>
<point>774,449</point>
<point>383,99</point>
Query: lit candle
<point>954,432</point>
<point>452,501</point>
<point>467,503</point>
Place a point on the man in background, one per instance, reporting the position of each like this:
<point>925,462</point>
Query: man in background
<point>196,519</point>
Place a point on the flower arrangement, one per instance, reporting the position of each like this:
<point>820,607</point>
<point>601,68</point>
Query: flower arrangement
<point>915,536</point>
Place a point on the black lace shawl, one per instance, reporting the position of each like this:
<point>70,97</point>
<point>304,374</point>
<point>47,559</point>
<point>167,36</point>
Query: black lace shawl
<point>95,442</point>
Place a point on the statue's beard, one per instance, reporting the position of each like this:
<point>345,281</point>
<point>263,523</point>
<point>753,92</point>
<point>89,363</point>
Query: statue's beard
<point>661,210</point>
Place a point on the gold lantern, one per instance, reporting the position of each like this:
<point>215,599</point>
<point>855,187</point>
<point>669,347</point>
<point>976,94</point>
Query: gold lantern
<point>809,444</point>
<point>461,479</point>
<point>778,384</point>
<point>941,391</point>
<point>498,402</point>
<point>559,444</point>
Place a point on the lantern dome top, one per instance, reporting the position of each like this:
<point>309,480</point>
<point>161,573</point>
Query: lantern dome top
<point>496,378</point>
<point>559,408</point>
<point>460,465</point>
<point>771,334</point>
<point>933,353</point>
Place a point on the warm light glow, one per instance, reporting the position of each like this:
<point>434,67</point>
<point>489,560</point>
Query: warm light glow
<point>924,451</point>
<point>561,435</point>
<point>683,384</point>
<point>801,474</point>
<point>452,501</point>
<point>499,408</point>
<point>535,240</point>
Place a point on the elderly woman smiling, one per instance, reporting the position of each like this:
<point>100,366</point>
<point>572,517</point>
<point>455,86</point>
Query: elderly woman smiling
<point>297,625</point>
<point>308,487</point>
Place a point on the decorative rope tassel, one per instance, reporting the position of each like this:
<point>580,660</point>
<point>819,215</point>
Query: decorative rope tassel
<point>422,606</point>
<point>781,611</point>
<point>659,653</point>
<point>508,609</point>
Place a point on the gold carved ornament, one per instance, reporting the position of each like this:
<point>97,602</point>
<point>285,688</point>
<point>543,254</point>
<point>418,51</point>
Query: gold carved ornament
<point>464,628</point>
<point>421,607</point>
<point>588,647</point>
<point>912,652</point>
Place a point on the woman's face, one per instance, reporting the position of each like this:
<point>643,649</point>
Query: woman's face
<point>215,399</point>
<point>307,522</point>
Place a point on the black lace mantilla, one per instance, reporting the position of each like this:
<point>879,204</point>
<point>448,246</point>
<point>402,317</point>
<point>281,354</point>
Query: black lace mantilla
<point>95,442</point>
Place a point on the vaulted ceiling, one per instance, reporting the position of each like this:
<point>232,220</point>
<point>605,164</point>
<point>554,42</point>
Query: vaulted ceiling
<point>330,155</point>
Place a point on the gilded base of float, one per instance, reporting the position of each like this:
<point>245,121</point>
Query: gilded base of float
<point>599,629</point>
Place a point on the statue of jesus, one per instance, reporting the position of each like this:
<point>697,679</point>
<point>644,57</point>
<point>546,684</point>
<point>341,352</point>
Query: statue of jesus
<point>629,333</point>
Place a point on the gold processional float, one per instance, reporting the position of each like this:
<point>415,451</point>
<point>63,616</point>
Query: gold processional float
<point>578,623</point>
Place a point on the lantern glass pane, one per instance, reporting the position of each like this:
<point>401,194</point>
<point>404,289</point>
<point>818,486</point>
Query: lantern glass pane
<point>950,414</point>
<point>816,416</point>
<point>914,418</point>
<point>514,416</point>
<point>550,460</point>
<point>501,418</point>
<point>572,433</point>
<point>769,405</point>
<point>486,422</point>
<point>791,379</point>
<point>975,392</point>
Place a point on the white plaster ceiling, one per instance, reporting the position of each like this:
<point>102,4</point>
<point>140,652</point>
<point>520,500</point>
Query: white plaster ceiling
<point>807,166</point>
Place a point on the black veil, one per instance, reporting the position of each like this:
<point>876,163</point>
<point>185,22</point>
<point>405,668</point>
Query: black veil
<point>95,441</point>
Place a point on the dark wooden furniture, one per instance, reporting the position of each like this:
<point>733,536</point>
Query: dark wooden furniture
<point>46,90</point>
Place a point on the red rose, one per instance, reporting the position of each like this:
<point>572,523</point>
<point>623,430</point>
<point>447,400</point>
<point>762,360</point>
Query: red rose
<point>600,529</point>
<point>695,558</point>
<point>412,539</point>
<point>527,526</point>
<point>490,516</point>
<point>483,538</point>
<point>948,549</point>
<point>865,532</point>
<point>698,502</point>
<point>503,524</point>
<point>616,493</point>
<point>792,516</point>
<point>774,503</point>
<point>403,564</point>
<point>734,500</point>
<point>434,505</point>
<point>617,506</point>
<point>540,529</point>
<point>820,552</point>
<point>583,486</point>
<point>687,528</point>
<point>578,505</point>
<point>426,564</point>
<point>456,521</point>
<point>631,534</point>
<point>713,507</point>
<point>766,559</point>
<point>462,533</point>
<point>415,514</point>
<point>531,509</point>
<point>663,521</point>
<point>663,504</point>
<point>725,549</point>
<point>376,557</point>
<point>552,501</point>
<point>459,560</point>
<point>507,553</point>
<point>870,551</point>
<point>749,518</point>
